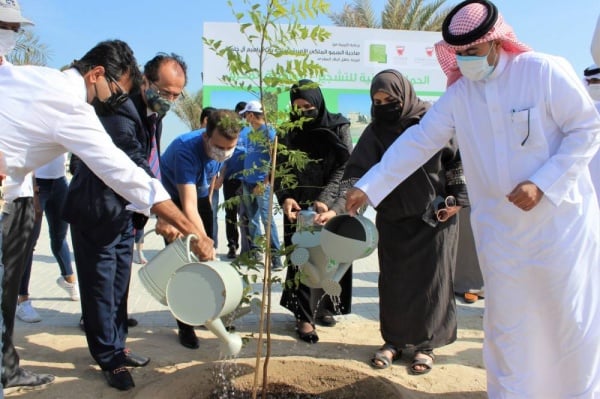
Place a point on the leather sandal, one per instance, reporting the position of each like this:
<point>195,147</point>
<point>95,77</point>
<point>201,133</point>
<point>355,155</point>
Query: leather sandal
<point>423,358</point>
<point>381,360</point>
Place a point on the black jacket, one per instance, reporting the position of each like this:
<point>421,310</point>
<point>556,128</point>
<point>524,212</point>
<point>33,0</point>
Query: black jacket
<point>90,203</point>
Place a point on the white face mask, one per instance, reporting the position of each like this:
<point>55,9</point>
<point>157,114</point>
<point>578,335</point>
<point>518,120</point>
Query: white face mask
<point>8,41</point>
<point>219,154</point>
<point>594,90</point>
<point>475,67</point>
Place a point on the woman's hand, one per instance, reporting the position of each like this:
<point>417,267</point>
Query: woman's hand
<point>290,209</point>
<point>322,218</point>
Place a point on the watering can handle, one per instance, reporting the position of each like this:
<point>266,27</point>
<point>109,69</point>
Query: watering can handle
<point>190,254</point>
<point>188,239</point>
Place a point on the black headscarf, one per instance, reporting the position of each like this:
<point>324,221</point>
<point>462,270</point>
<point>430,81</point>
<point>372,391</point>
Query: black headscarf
<point>319,137</point>
<point>311,92</point>
<point>396,85</point>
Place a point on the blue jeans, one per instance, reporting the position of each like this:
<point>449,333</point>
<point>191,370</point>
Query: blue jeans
<point>257,210</point>
<point>52,196</point>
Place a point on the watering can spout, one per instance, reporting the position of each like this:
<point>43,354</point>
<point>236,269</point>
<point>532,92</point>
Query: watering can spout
<point>231,343</point>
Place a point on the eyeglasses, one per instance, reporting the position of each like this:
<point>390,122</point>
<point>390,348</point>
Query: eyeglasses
<point>167,95</point>
<point>119,96</point>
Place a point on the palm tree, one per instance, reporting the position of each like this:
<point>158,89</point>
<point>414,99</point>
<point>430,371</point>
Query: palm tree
<point>29,50</point>
<point>189,108</point>
<point>396,14</point>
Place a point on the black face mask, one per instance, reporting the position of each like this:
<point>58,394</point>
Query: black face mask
<point>310,113</point>
<point>389,112</point>
<point>110,105</point>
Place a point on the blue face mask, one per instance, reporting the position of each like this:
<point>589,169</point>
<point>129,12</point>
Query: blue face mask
<point>475,67</point>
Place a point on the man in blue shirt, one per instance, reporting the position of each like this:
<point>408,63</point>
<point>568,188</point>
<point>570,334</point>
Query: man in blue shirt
<point>255,179</point>
<point>187,167</point>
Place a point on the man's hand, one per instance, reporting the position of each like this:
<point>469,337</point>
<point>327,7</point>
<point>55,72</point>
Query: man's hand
<point>355,199</point>
<point>166,230</point>
<point>204,248</point>
<point>525,196</point>
<point>259,189</point>
<point>290,209</point>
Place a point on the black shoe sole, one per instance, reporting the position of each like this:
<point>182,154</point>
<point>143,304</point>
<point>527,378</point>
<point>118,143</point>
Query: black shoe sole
<point>26,388</point>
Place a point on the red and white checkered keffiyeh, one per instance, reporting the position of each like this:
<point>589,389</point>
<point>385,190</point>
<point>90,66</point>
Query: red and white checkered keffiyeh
<point>466,20</point>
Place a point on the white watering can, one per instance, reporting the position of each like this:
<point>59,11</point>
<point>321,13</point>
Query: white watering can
<point>197,293</point>
<point>345,238</point>
<point>324,255</point>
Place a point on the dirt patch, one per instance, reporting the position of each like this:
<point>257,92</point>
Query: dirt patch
<point>297,378</point>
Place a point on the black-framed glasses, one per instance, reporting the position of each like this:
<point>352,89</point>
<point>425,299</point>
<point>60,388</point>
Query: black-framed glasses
<point>167,95</point>
<point>118,97</point>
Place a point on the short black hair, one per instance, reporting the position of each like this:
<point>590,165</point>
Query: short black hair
<point>240,106</point>
<point>226,121</point>
<point>115,56</point>
<point>206,111</point>
<point>151,68</point>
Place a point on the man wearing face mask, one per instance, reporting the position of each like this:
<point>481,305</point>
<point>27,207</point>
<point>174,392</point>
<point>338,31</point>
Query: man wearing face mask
<point>591,78</point>
<point>61,120</point>
<point>527,131</point>
<point>104,254</point>
<point>187,167</point>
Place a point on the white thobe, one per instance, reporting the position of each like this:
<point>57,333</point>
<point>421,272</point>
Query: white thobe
<point>595,47</point>
<point>595,166</point>
<point>530,120</point>
<point>44,113</point>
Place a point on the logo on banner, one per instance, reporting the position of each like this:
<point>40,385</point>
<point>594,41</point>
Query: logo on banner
<point>429,51</point>
<point>400,50</point>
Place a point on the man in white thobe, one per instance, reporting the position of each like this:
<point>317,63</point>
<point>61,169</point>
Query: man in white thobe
<point>595,47</point>
<point>591,79</point>
<point>526,129</point>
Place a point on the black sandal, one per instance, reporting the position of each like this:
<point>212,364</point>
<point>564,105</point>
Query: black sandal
<point>311,336</point>
<point>422,358</point>
<point>381,361</point>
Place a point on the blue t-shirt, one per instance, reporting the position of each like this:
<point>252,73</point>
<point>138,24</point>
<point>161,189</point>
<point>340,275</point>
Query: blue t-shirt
<point>186,162</point>
<point>235,164</point>
<point>258,158</point>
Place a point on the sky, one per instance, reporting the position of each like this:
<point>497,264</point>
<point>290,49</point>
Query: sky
<point>71,27</point>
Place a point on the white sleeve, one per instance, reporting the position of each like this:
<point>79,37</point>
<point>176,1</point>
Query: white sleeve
<point>408,152</point>
<point>596,43</point>
<point>106,160</point>
<point>575,114</point>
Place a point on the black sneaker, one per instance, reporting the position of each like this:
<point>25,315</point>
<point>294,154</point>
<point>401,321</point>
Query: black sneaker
<point>27,380</point>
<point>232,253</point>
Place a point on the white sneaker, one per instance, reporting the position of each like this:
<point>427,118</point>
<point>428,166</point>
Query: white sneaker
<point>71,288</point>
<point>27,313</point>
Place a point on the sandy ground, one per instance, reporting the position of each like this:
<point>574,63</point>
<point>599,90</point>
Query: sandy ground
<point>336,367</point>
<point>177,372</point>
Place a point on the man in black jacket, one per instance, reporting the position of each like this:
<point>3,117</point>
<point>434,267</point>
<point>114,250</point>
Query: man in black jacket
<point>104,250</point>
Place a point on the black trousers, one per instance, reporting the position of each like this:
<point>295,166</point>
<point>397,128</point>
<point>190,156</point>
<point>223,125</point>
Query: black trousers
<point>104,270</point>
<point>231,188</point>
<point>17,241</point>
